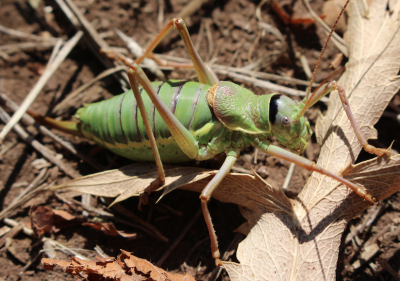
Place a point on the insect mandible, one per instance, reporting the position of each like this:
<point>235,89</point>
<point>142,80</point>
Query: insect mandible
<point>186,120</point>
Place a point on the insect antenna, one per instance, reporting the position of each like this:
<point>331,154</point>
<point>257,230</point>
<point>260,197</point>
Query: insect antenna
<point>304,105</point>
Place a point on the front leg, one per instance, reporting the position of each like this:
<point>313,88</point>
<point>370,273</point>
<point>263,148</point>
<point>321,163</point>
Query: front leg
<point>323,91</point>
<point>367,147</point>
<point>311,166</point>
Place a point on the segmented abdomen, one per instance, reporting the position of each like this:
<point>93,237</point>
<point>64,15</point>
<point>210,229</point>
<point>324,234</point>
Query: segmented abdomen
<point>118,125</point>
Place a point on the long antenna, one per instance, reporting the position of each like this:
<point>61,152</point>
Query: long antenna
<point>323,49</point>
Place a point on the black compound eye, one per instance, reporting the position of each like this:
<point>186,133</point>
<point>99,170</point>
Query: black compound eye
<point>285,121</point>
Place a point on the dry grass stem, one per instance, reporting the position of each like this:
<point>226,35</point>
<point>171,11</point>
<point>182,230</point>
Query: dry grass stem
<point>26,194</point>
<point>288,177</point>
<point>59,246</point>
<point>68,146</point>
<point>180,237</point>
<point>70,98</point>
<point>44,78</point>
<point>222,69</point>
<point>190,8</point>
<point>26,46</point>
<point>137,51</point>
<point>47,153</point>
<point>92,38</point>
<point>21,34</point>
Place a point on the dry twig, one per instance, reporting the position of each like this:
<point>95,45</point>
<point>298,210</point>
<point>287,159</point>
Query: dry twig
<point>49,71</point>
<point>48,154</point>
<point>180,237</point>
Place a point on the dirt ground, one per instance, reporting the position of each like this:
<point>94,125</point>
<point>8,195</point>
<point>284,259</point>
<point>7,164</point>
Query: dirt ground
<point>225,33</point>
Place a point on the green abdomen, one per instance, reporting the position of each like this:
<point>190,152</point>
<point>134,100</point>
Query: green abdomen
<point>118,125</point>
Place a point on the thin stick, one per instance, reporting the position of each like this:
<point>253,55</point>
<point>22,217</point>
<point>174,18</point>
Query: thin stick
<point>255,43</point>
<point>271,56</point>
<point>258,10</point>
<point>47,153</point>
<point>178,240</point>
<point>160,18</point>
<point>55,51</point>
<point>19,200</point>
<point>49,71</point>
<point>210,40</point>
<point>241,170</point>
<point>162,207</point>
<point>237,52</point>
<point>268,85</point>
<point>13,48</point>
<point>255,156</point>
<point>192,7</point>
<point>92,38</point>
<point>12,233</point>
<point>137,51</point>
<point>132,217</point>
<point>288,177</point>
<point>100,252</point>
<point>82,88</point>
<point>21,34</point>
<point>199,36</point>
<point>304,64</point>
<point>195,247</point>
<point>144,227</point>
<point>4,56</point>
<point>224,69</point>
<point>62,247</point>
<point>6,147</point>
<point>28,119</point>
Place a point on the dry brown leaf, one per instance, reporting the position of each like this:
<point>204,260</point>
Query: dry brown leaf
<point>143,268</point>
<point>41,220</point>
<point>109,229</point>
<point>132,180</point>
<point>125,267</point>
<point>44,219</point>
<point>108,268</point>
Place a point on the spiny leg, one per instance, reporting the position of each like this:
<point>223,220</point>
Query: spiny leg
<point>204,75</point>
<point>326,89</point>
<point>311,166</point>
<point>206,195</point>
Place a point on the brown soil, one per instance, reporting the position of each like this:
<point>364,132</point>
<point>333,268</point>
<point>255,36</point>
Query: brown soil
<point>230,22</point>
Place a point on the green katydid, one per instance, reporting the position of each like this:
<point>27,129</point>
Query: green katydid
<point>182,120</point>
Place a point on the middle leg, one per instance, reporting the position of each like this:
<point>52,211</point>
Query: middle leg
<point>326,89</point>
<point>231,157</point>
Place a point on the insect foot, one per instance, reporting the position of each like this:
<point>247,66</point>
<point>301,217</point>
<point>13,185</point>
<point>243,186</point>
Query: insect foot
<point>377,151</point>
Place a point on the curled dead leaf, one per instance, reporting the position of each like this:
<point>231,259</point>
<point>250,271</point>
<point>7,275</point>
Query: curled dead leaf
<point>44,219</point>
<point>125,267</point>
<point>108,268</point>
